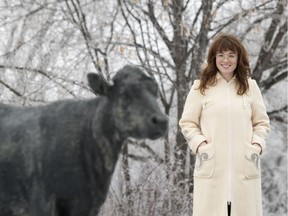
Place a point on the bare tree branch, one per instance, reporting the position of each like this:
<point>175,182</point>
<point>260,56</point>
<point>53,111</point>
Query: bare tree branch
<point>270,42</point>
<point>155,22</point>
<point>275,114</point>
<point>80,20</point>
<point>280,73</point>
<point>11,89</point>
<point>154,156</point>
<point>45,74</point>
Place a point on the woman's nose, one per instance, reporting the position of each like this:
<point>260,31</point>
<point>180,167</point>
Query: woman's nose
<point>225,58</point>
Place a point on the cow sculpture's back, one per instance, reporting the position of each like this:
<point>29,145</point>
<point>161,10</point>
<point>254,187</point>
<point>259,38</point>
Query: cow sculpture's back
<point>57,160</point>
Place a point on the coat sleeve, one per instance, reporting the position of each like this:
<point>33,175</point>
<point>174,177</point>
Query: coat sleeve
<point>260,119</point>
<point>190,120</point>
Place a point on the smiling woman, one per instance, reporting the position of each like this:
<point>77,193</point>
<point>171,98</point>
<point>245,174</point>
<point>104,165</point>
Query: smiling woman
<point>225,124</point>
<point>226,53</point>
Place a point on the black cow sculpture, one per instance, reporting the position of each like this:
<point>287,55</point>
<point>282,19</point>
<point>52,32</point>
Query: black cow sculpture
<point>58,159</point>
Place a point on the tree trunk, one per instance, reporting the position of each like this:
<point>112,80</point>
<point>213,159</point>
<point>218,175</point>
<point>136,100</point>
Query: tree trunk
<point>127,182</point>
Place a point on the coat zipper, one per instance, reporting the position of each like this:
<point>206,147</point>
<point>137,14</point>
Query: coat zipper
<point>229,143</point>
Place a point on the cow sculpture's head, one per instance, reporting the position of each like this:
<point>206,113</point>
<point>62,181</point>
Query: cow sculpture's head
<point>132,99</point>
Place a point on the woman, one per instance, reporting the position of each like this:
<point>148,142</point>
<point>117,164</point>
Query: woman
<point>225,124</point>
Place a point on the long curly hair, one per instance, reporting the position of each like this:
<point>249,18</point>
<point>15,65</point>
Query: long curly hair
<point>224,42</point>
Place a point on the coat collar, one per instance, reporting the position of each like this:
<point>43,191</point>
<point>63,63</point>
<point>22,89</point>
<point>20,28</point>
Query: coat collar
<point>219,76</point>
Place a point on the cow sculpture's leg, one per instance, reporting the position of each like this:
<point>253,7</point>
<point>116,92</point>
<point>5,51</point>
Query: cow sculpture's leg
<point>81,205</point>
<point>75,207</point>
<point>41,203</point>
<point>63,208</point>
<point>5,212</point>
<point>12,190</point>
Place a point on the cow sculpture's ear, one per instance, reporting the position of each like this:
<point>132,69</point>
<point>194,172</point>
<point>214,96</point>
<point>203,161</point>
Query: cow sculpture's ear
<point>98,84</point>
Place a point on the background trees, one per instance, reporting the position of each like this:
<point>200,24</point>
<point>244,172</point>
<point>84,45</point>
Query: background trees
<point>48,46</point>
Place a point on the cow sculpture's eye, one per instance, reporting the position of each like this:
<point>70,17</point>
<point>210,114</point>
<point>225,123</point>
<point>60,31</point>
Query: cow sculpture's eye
<point>130,93</point>
<point>126,96</point>
<point>154,90</point>
<point>151,86</point>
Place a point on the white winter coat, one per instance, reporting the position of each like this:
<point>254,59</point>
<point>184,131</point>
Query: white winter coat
<point>228,167</point>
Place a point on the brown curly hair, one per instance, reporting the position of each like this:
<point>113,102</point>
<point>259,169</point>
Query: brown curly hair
<point>224,42</point>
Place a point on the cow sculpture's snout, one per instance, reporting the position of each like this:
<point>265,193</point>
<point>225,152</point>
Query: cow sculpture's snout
<point>159,121</point>
<point>159,126</point>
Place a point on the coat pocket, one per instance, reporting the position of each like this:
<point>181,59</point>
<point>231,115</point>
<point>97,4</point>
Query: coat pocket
<point>204,165</point>
<point>252,161</point>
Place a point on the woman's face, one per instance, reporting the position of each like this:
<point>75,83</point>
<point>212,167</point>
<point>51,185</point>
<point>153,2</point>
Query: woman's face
<point>226,62</point>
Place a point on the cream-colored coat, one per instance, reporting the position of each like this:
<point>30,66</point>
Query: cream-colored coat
<point>228,167</point>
